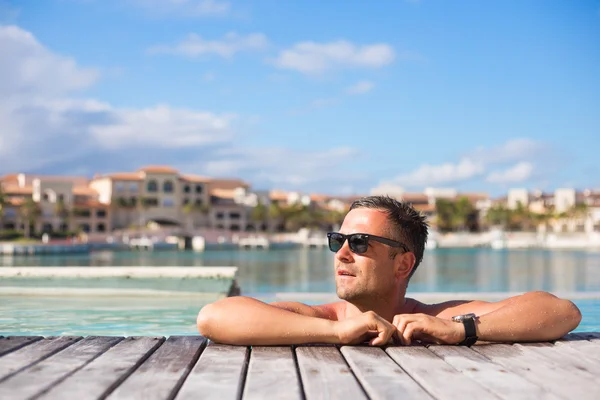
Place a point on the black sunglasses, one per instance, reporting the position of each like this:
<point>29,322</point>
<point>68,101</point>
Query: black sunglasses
<point>359,242</point>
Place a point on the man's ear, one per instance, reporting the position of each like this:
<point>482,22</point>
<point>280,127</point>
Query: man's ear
<point>404,264</point>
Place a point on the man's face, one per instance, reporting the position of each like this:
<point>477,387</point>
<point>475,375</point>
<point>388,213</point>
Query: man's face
<point>370,275</point>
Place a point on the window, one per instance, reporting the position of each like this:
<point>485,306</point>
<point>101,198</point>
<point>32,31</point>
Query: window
<point>220,215</point>
<point>152,186</point>
<point>45,197</point>
<point>10,212</point>
<point>234,215</point>
<point>61,197</point>
<point>119,187</point>
<point>100,228</point>
<point>85,227</point>
<point>234,227</point>
<point>47,228</point>
<point>150,202</point>
<point>199,188</point>
<point>198,202</point>
<point>186,201</point>
<point>168,202</point>
<point>64,227</point>
<point>168,187</point>
<point>186,189</point>
<point>82,213</point>
<point>134,187</point>
<point>101,213</point>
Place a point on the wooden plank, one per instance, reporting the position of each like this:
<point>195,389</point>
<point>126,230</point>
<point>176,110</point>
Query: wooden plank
<point>583,347</point>
<point>325,374</point>
<point>48,372</point>
<point>575,364</point>
<point>435,375</point>
<point>272,371</point>
<point>24,357</point>
<point>218,374</point>
<point>546,373</point>
<point>163,373</point>
<point>12,343</point>
<point>504,383</point>
<point>380,376</point>
<point>103,374</point>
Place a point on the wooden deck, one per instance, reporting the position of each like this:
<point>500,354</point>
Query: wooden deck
<point>186,367</point>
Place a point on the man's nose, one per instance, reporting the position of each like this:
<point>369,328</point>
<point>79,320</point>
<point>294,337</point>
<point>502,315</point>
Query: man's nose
<point>344,254</point>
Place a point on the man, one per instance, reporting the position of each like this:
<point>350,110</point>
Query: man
<point>380,245</point>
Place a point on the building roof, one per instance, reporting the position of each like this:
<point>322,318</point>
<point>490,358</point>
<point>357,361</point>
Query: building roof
<point>278,195</point>
<point>474,196</point>
<point>223,193</point>
<point>15,201</point>
<point>124,176</point>
<point>158,169</point>
<point>84,191</point>
<point>91,203</point>
<point>319,197</point>
<point>415,198</point>
<point>12,188</point>
<point>227,184</point>
<point>195,178</point>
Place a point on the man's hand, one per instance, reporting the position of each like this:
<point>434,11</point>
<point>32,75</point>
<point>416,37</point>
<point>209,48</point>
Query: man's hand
<point>367,326</point>
<point>427,328</point>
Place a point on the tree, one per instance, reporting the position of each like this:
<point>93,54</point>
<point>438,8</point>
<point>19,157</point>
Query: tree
<point>63,212</point>
<point>498,215</point>
<point>29,212</point>
<point>3,203</point>
<point>259,214</point>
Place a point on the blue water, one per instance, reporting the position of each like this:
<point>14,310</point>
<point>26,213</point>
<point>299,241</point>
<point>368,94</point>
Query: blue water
<point>268,274</point>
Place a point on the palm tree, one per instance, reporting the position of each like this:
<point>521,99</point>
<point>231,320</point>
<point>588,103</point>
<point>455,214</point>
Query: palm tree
<point>29,212</point>
<point>3,202</point>
<point>259,214</point>
<point>64,213</point>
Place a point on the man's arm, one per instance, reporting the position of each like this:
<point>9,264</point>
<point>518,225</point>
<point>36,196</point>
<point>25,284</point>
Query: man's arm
<point>533,316</point>
<point>246,321</point>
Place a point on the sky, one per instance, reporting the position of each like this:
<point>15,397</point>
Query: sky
<point>336,97</point>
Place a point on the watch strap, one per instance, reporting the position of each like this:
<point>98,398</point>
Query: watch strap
<point>470,332</point>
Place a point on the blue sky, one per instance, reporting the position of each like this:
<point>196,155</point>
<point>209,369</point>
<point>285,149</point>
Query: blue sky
<point>334,97</point>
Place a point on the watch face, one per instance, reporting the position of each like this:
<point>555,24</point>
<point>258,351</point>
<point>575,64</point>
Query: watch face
<point>460,318</point>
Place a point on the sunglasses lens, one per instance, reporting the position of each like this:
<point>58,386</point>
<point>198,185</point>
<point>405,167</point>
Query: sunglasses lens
<point>358,243</point>
<point>336,241</point>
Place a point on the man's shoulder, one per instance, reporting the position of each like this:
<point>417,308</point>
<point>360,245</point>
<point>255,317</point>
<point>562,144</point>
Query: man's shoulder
<point>334,311</point>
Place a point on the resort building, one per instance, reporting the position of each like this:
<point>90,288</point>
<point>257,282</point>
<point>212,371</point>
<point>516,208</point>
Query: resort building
<point>58,205</point>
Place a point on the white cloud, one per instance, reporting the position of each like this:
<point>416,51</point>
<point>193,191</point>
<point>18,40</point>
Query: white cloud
<point>360,87</point>
<point>43,128</point>
<point>28,67</point>
<point>41,125</point>
<point>162,126</point>
<point>281,167</point>
<point>232,43</point>
<point>509,152</point>
<point>427,174</point>
<point>311,57</point>
<point>515,174</point>
<point>185,8</point>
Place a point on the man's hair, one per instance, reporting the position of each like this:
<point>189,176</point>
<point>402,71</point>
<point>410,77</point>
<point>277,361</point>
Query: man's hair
<point>405,224</point>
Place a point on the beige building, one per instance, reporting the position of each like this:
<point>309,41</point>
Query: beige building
<point>158,194</point>
<point>52,204</point>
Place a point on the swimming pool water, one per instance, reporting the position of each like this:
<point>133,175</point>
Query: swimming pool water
<point>264,274</point>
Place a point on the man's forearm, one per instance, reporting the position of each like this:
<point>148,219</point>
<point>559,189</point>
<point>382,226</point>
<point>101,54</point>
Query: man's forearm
<point>246,321</point>
<point>534,316</point>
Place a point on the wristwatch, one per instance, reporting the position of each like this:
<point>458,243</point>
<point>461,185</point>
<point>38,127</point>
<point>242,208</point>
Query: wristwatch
<point>468,321</point>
